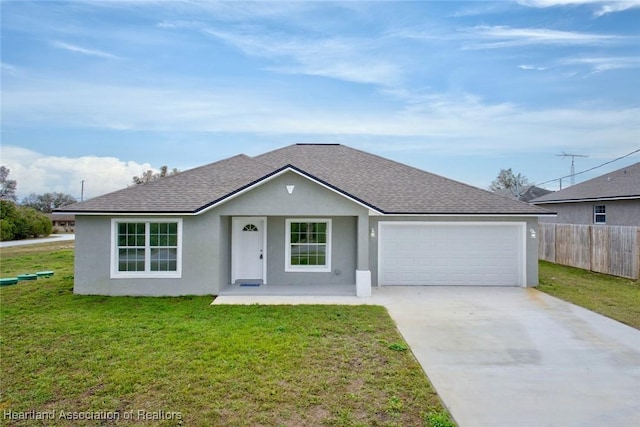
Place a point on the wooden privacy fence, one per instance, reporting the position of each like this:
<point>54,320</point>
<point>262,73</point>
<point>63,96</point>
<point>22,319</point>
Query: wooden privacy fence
<point>608,249</point>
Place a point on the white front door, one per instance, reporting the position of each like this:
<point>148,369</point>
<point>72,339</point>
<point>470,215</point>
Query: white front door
<point>249,254</point>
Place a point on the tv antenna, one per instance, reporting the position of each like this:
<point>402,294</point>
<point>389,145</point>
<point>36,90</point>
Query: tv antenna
<point>573,164</point>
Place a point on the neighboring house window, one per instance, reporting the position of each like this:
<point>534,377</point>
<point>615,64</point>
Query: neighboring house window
<point>599,214</point>
<point>308,245</point>
<point>146,248</point>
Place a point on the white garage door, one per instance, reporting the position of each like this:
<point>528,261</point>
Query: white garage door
<point>452,253</point>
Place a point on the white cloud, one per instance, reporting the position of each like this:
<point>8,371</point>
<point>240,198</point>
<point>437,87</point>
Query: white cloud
<point>503,36</point>
<point>354,60</point>
<point>618,6</point>
<point>9,69</point>
<point>39,173</point>
<point>605,6</point>
<point>84,51</point>
<point>444,122</point>
<point>601,64</point>
<point>531,67</point>
<point>551,3</point>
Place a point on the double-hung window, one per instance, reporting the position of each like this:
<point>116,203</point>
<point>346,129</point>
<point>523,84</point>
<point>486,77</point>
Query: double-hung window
<point>308,245</point>
<point>599,214</point>
<point>146,248</point>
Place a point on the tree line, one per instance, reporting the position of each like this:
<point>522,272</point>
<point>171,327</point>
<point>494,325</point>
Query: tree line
<point>27,219</point>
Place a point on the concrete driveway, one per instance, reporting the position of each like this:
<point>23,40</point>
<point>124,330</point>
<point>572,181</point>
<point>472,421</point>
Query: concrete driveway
<point>519,357</point>
<point>510,356</point>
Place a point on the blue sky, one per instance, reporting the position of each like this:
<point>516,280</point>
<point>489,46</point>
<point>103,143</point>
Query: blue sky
<point>101,90</point>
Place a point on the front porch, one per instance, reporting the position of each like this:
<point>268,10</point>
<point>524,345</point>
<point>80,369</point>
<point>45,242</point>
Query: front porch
<point>289,290</point>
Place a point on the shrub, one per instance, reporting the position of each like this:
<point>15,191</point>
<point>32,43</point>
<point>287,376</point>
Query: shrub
<point>19,222</point>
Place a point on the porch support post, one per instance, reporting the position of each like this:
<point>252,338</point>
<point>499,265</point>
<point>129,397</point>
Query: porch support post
<point>363,275</point>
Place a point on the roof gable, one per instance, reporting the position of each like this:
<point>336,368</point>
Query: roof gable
<point>380,184</point>
<point>391,187</point>
<point>623,183</point>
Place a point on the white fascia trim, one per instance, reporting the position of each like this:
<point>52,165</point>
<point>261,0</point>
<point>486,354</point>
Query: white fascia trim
<point>274,176</point>
<point>132,214</point>
<point>469,215</point>
<point>452,223</point>
<point>598,199</point>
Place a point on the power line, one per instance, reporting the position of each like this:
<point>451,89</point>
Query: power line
<point>590,169</point>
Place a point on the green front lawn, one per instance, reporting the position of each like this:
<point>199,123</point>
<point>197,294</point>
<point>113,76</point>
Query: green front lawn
<point>614,297</point>
<point>189,363</point>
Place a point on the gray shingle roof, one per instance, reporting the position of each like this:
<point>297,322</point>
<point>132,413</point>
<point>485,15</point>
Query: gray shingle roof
<point>383,185</point>
<point>623,183</point>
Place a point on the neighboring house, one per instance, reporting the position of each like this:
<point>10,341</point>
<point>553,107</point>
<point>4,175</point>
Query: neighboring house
<point>307,215</point>
<point>62,223</point>
<point>610,199</point>
<point>528,193</point>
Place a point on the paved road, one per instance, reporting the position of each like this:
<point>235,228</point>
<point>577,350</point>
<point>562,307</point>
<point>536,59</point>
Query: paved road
<point>50,239</point>
<point>511,356</point>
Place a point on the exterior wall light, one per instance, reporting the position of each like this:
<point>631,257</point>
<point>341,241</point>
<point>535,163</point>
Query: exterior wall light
<point>373,233</point>
<point>290,188</point>
<point>532,233</point>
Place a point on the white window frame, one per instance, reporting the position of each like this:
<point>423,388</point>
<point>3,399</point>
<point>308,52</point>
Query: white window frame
<point>596,214</point>
<point>307,268</point>
<point>147,274</point>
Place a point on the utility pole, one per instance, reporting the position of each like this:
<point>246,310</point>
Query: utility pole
<point>573,165</point>
<point>82,192</point>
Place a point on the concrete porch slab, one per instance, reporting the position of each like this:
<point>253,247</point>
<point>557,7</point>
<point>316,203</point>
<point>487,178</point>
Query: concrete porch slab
<point>298,290</point>
<point>290,300</point>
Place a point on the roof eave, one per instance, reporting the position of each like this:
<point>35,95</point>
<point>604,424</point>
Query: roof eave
<point>586,199</point>
<point>128,213</point>
<point>480,214</point>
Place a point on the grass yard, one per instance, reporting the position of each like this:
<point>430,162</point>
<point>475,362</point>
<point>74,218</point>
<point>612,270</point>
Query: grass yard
<point>614,297</point>
<point>181,361</point>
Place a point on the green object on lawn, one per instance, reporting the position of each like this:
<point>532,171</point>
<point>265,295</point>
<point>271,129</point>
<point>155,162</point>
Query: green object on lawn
<point>27,277</point>
<point>44,273</point>
<point>9,281</point>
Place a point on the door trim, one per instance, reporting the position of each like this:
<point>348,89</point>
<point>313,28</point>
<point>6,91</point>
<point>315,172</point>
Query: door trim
<point>235,249</point>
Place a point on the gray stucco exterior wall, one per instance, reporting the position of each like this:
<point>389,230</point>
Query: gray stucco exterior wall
<point>207,242</point>
<point>343,255</point>
<point>618,212</point>
<point>93,261</point>
<point>307,200</point>
<point>207,245</point>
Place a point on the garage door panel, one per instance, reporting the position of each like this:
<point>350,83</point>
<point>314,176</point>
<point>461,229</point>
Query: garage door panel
<point>451,254</point>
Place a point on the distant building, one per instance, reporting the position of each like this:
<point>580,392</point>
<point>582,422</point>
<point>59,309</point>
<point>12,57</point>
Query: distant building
<point>528,193</point>
<point>63,223</point>
<point>609,199</point>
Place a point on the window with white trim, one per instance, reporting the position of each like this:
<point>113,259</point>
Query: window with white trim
<point>308,245</point>
<point>599,214</point>
<point>146,248</point>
